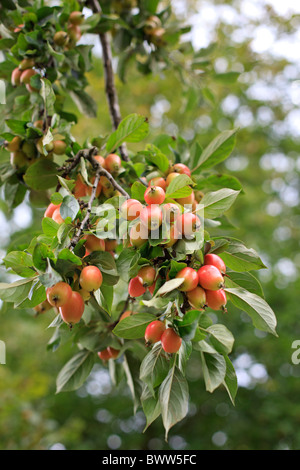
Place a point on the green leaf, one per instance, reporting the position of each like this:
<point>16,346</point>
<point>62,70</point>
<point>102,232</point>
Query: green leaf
<point>126,260</point>
<point>182,182</point>
<point>227,77</point>
<point>138,191</point>
<point>154,367</point>
<point>40,255</point>
<point>214,182</point>
<point>16,291</point>
<point>230,381</point>
<point>188,325</point>
<point>217,151</point>
<point>48,95</point>
<point>84,102</point>
<point>75,372</point>
<point>69,207</point>
<point>257,308</point>
<point>41,175</point>
<point>214,370</point>
<point>240,258</point>
<point>174,398</point>
<point>20,262</point>
<point>151,406</point>
<point>218,202</point>
<point>49,227</point>
<point>133,128</point>
<point>18,127</point>
<point>156,157</point>
<point>245,280</point>
<point>221,338</point>
<point>133,327</point>
<point>169,286</point>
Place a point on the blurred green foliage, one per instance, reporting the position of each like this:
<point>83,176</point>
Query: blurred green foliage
<point>263,103</point>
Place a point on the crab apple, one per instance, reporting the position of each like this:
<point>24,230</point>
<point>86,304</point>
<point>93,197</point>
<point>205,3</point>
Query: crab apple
<point>59,147</point>
<point>187,224</point>
<point>60,38</point>
<point>105,183</point>
<point>131,209</point>
<point>136,288</point>
<point>89,189</point>
<point>181,169</point>
<point>154,195</point>
<point>72,311</point>
<point>16,77</point>
<point>188,200</point>
<point>80,187</point>
<point>18,159</point>
<point>14,144</point>
<point>126,314</point>
<point>85,294</point>
<point>147,275</point>
<point>39,124</point>
<point>152,23</point>
<point>100,160</point>
<point>76,17</point>
<point>154,331</point>
<point>210,277</point>
<point>174,236</point>
<point>216,299</point>
<point>104,355</point>
<point>59,294</point>
<point>113,163</point>
<point>199,195</point>
<point>94,243</point>
<point>151,288</point>
<point>190,277</point>
<point>158,181</point>
<point>31,89</point>
<point>29,148</point>
<point>170,341</point>
<point>74,32</point>
<point>151,217</point>
<point>90,278</point>
<point>56,216</point>
<point>171,177</point>
<point>171,212</point>
<point>216,261</point>
<point>44,149</point>
<point>19,28</point>
<point>26,76</point>
<point>110,245</point>
<point>43,307</point>
<point>197,298</point>
<point>26,64</point>
<point>113,352</point>
<point>138,235</point>
<point>50,209</point>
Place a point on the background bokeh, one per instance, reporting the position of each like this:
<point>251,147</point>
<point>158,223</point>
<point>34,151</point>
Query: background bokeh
<point>260,40</point>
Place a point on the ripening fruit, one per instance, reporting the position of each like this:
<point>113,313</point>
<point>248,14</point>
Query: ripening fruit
<point>94,243</point>
<point>113,163</point>
<point>171,177</point>
<point>76,17</point>
<point>190,277</point>
<point>56,216</point>
<point>154,331</point>
<point>151,288</point>
<point>158,181</point>
<point>126,314</point>
<point>72,311</point>
<point>216,299</point>
<point>26,64</point>
<point>216,261</point>
<point>90,278</point>
<point>18,159</point>
<point>136,288</point>
<point>59,147</point>
<point>110,245</point>
<point>171,212</point>
<point>31,89</point>
<point>113,352</point>
<point>16,77</point>
<point>197,298</point>
<point>85,294</point>
<point>14,144</point>
<point>100,160</point>
<point>151,23</point>
<point>147,275</point>
<point>154,195</point>
<point>104,355</point>
<point>151,217</point>
<point>26,76</point>
<point>188,200</point>
<point>80,187</point>
<point>181,169</point>
<point>60,38</point>
<point>29,148</point>
<point>74,32</point>
<point>59,294</point>
<point>210,278</point>
<point>131,209</point>
<point>138,235</point>
<point>39,124</point>
<point>170,341</point>
<point>19,28</point>
<point>187,224</point>
<point>50,209</point>
<point>89,189</point>
<point>43,307</point>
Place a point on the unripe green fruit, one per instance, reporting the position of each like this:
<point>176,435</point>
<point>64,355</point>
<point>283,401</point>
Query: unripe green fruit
<point>61,38</point>
<point>29,148</point>
<point>18,159</point>
<point>90,278</point>
<point>26,64</point>
<point>44,149</point>
<point>76,17</point>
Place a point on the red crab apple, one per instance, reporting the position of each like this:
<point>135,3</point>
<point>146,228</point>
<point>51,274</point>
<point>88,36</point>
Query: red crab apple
<point>131,209</point>
<point>187,224</point>
<point>197,298</point>
<point>154,331</point>
<point>72,311</point>
<point>181,169</point>
<point>170,341</point>
<point>216,299</point>
<point>190,277</point>
<point>113,163</point>
<point>50,209</point>
<point>154,195</point>
<point>90,278</point>
<point>151,217</point>
<point>210,278</point>
<point>158,181</point>
<point>136,288</point>
<point>59,294</point>
<point>147,275</point>
<point>215,260</point>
